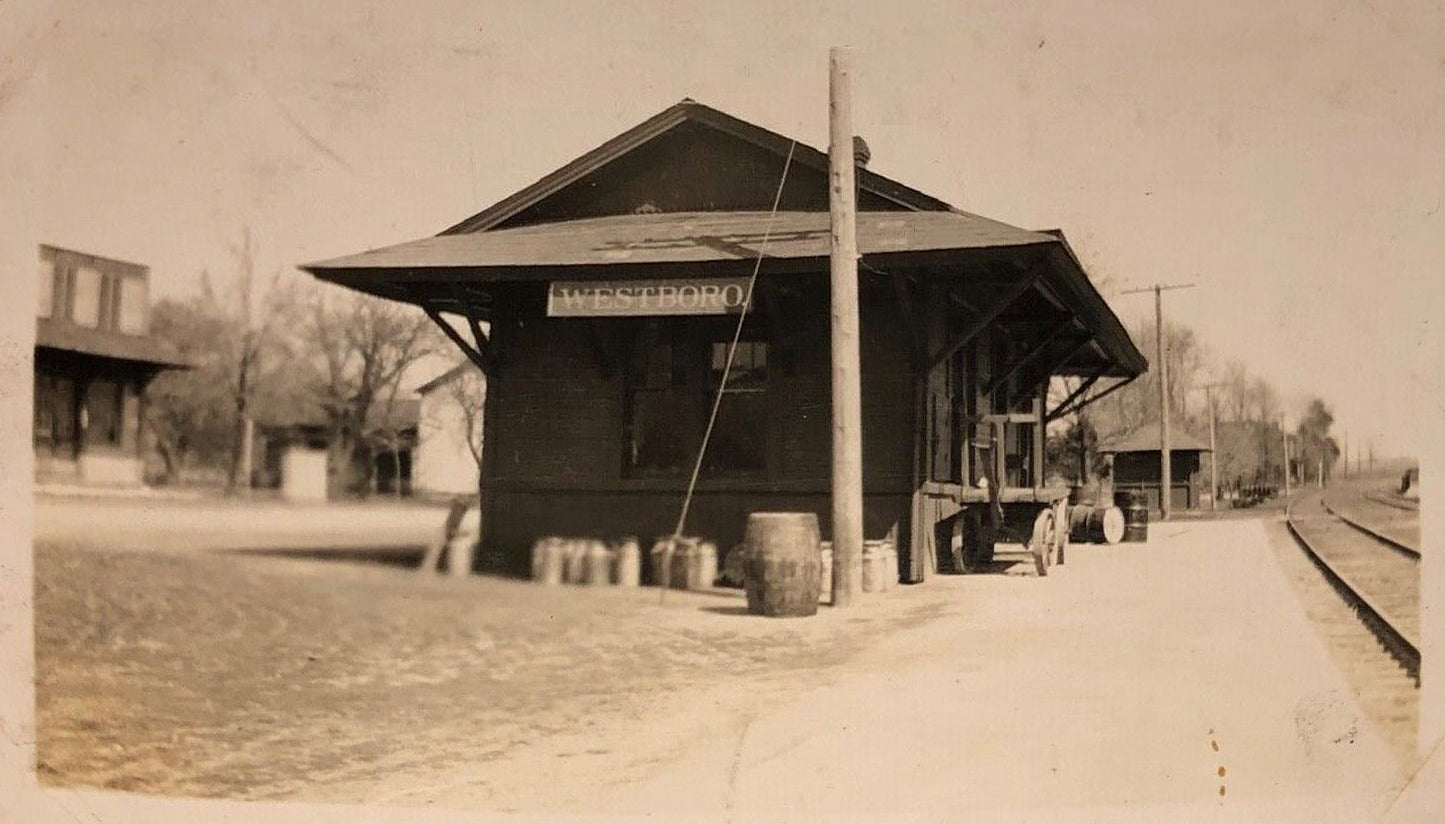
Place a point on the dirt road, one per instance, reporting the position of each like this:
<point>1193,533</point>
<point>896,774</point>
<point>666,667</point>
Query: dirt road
<point>1179,672</point>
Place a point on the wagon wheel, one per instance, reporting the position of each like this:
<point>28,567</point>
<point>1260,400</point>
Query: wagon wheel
<point>1041,543</point>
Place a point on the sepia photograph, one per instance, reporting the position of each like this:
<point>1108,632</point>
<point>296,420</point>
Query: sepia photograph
<point>723,411</point>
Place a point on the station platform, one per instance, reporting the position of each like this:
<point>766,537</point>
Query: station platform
<point>1173,680</point>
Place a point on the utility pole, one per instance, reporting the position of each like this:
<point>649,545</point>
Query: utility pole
<point>1165,479</point>
<point>1372,457</point>
<point>847,392</point>
<point>1345,453</point>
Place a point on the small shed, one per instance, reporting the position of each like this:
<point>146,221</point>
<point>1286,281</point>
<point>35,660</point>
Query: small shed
<point>1136,465</point>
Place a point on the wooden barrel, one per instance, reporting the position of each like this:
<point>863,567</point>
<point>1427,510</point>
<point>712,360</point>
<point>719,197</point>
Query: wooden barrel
<point>1136,515</point>
<point>629,563</point>
<point>1079,523</point>
<point>1106,525</point>
<point>784,567</point>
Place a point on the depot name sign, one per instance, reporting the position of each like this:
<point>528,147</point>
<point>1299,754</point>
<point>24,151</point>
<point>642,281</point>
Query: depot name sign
<point>630,298</point>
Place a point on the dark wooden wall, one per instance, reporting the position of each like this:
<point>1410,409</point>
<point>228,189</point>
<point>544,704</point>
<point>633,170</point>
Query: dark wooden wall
<point>555,417</point>
<point>1140,471</point>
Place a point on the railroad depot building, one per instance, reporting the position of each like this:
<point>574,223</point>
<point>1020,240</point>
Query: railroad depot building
<point>612,288</point>
<point>93,359</point>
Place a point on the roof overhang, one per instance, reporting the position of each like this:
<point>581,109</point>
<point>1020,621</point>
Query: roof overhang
<point>434,270</point>
<point>140,350</point>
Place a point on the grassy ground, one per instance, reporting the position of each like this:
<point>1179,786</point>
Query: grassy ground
<point>211,674</point>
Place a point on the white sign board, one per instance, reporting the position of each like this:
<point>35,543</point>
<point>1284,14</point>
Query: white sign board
<point>630,298</point>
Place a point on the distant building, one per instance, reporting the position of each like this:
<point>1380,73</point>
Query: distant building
<point>301,438</point>
<point>93,359</point>
<point>448,429</point>
<point>1136,465</point>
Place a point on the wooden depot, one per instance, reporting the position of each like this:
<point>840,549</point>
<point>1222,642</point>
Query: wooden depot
<point>592,422</point>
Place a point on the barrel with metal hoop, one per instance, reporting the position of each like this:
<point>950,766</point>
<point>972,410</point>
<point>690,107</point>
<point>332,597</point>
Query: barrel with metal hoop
<point>783,568</point>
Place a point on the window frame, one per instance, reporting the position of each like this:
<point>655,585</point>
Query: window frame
<point>695,377</point>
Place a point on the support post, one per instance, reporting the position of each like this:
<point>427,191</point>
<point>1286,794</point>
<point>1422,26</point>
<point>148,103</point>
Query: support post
<point>1083,387</point>
<point>847,393</point>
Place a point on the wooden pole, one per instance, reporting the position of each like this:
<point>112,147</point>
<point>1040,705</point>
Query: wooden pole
<point>1165,478</point>
<point>1164,468</point>
<point>847,392</point>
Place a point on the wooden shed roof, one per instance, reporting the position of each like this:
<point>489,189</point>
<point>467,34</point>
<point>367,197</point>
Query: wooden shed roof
<point>1146,439</point>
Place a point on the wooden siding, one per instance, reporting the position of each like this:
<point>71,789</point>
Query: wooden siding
<point>555,454</point>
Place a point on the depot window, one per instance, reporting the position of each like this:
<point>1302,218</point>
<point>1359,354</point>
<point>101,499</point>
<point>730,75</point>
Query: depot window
<point>675,373</point>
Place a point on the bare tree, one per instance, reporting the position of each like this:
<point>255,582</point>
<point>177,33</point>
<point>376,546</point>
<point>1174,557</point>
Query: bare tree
<point>252,311</point>
<point>467,393</point>
<point>190,410</point>
<point>363,347</point>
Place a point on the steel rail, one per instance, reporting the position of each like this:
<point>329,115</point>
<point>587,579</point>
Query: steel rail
<point>1405,652</point>
<point>1399,546</point>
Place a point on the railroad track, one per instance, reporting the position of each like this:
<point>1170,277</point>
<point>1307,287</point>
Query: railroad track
<point>1384,530</point>
<point>1374,568</point>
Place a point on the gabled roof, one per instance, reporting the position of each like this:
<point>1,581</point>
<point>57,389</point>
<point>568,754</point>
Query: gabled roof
<point>581,222</point>
<point>1146,439</point>
<point>690,237</point>
<point>686,111</point>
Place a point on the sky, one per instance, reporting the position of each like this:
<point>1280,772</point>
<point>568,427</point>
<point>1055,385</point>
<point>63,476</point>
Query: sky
<point>1284,156</point>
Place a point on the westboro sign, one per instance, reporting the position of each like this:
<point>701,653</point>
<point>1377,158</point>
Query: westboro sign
<point>618,298</point>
